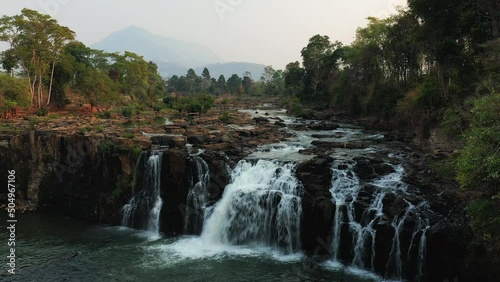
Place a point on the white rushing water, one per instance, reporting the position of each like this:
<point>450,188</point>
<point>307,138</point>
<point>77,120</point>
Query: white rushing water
<point>147,203</point>
<point>346,190</point>
<point>262,207</point>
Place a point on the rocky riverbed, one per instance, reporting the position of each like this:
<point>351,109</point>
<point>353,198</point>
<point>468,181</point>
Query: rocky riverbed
<point>397,218</point>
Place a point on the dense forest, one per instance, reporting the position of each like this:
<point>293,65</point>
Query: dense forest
<point>433,64</point>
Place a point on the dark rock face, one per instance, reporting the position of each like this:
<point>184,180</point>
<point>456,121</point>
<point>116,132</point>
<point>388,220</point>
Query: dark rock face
<point>70,175</point>
<point>175,176</point>
<point>317,206</point>
<point>219,174</point>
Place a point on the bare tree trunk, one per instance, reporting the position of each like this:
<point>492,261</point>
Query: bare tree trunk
<point>51,80</point>
<point>442,80</point>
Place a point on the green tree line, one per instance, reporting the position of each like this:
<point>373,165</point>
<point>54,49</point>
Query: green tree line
<point>271,83</point>
<point>44,58</point>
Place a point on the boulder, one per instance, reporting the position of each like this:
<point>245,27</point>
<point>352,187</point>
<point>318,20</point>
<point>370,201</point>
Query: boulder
<point>364,168</point>
<point>383,169</point>
<point>345,145</point>
<point>196,139</point>
<point>323,126</point>
<point>261,120</point>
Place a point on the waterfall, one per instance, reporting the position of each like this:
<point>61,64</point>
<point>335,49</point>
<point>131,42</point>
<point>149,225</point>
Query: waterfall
<point>349,196</point>
<point>262,206</point>
<point>197,197</point>
<point>345,188</point>
<point>143,209</point>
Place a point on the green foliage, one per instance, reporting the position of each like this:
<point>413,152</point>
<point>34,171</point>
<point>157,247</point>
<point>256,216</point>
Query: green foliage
<point>479,163</point>
<point>454,121</point>
<point>127,112</point>
<point>445,168</point>
<point>485,218</point>
<point>136,151</point>
<point>226,117</point>
<point>41,112</point>
<point>197,104</point>
<point>105,115</point>
<point>129,135</point>
<point>106,147</point>
<point>13,92</point>
<point>32,124</point>
<point>36,41</point>
<point>383,101</point>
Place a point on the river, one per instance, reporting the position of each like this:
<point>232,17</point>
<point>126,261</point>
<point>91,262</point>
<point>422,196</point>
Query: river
<point>251,234</point>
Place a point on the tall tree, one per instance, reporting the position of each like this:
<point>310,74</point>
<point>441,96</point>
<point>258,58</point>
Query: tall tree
<point>234,84</point>
<point>36,41</point>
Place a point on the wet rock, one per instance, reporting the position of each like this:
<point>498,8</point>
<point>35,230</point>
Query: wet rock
<point>323,126</point>
<point>261,120</point>
<point>317,205</point>
<point>226,138</point>
<point>364,168</point>
<point>383,169</point>
<point>345,145</point>
<point>167,141</point>
<point>298,127</point>
<point>244,133</point>
<point>394,205</point>
<point>342,167</point>
<point>196,139</point>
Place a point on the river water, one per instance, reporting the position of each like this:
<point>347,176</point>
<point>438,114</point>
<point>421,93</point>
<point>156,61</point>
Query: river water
<point>62,249</point>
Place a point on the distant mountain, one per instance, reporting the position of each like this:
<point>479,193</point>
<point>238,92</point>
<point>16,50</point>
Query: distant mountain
<point>174,57</point>
<point>157,48</point>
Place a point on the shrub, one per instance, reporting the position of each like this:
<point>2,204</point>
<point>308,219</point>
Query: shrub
<point>106,147</point>
<point>479,163</point>
<point>127,112</point>
<point>129,135</point>
<point>226,117</point>
<point>41,112</point>
<point>104,115</point>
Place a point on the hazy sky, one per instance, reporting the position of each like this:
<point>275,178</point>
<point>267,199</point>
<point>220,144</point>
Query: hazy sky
<point>270,32</point>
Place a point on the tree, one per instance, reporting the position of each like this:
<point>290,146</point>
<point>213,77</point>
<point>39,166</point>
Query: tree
<point>35,40</point>
<point>247,83</point>
<point>206,74</point>
<point>234,84</point>
<point>206,79</point>
<point>193,82</point>
<point>13,92</point>
<point>9,61</point>
<point>320,59</point>
<point>58,36</point>
<point>221,84</point>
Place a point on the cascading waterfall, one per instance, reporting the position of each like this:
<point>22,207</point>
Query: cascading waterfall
<point>197,196</point>
<point>262,206</point>
<point>345,188</point>
<point>346,192</point>
<point>143,209</point>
